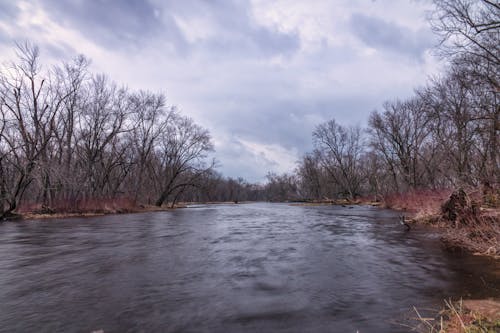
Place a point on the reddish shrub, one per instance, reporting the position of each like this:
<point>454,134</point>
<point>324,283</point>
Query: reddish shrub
<point>80,206</point>
<point>420,202</point>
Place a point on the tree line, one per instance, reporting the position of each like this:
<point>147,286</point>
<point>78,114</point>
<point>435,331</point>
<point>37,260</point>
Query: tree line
<point>445,135</point>
<point>70,139</point>
<point>68,135</point>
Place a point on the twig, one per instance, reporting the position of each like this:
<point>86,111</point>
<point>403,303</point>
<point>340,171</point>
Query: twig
<point>451,307</point>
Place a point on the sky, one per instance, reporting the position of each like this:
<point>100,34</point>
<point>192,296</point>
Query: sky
<point>260,75</point>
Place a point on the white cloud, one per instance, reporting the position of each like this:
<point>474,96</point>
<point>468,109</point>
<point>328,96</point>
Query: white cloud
<point>258,75</point>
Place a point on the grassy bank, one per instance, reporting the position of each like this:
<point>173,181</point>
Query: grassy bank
<point>467,219</point>
<point>90,207</point>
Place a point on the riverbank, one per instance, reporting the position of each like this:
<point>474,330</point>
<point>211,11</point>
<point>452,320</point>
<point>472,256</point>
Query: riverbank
<point>467,220</point>
<point>336,202</point>
<point>105,207</point>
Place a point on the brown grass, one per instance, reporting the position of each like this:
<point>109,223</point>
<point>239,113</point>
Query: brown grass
<point>82,206</point>
<point>469,316</point>
<point>474,230</point>
<point>480,237</point>
<point>87,207</point>
<point>419,202</point>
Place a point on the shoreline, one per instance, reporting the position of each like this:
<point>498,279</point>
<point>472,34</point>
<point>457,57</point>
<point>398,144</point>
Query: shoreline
<point>33,215</point>
<point>475,238</point>
<point>454,238</point>
<point>38,215</point>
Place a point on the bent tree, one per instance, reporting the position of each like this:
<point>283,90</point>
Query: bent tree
<point>180,158</point>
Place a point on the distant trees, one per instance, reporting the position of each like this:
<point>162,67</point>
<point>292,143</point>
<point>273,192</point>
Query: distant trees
<point>281,187</point>
<point>312,179</point>
<point>213,187</point>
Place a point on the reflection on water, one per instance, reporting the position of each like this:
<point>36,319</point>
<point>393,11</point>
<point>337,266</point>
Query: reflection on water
<point>235,268</point>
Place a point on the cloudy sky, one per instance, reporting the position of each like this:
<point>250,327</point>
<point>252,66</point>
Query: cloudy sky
<point>259,74</point>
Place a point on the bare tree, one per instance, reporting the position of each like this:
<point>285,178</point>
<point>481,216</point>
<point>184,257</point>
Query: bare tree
<point>29,106</point>
<point>399,134</point>
<point>102,125</point>
<point>150,118</point>
<point>312,177</point>
<point>281,187</point>
<point>181,155</point>
<point>340,149</point>
<point>468,28</point>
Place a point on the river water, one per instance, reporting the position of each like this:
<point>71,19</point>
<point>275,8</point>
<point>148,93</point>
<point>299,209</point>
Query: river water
<point>229,268</point>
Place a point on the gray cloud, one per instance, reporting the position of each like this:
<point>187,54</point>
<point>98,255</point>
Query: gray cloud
<point>136,23</point>
<point>8,14</point>
<point>258,42</point>
<point>259,81</point>
<point>290,123</point>
<point>381,34</point>
<point>123,24</point>
<point>8,10</point>
<point>238,34</point>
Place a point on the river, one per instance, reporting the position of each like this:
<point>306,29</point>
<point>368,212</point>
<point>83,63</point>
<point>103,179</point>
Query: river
<point>230,268</point>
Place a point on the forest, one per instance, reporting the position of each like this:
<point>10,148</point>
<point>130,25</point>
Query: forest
<point>73,140</point>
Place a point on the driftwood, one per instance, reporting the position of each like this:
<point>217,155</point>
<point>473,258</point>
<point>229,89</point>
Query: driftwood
<point>402,221</point>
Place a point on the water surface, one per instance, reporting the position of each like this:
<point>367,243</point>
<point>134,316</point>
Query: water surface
<point>229,268</point>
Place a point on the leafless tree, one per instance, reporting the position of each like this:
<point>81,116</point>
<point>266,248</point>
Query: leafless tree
<point>340,149</point>
<point>149,119</point>
<point>29,106</point>
<point>312,178</point>
<point>281,187</point>
<point>469,28</point>
<point>470,34</point>
<point>399,135</point>
<point>181,155</point>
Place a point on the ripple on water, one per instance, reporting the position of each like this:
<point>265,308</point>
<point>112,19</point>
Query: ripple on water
<point>245,268</point>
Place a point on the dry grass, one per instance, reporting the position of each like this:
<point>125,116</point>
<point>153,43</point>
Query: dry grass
<point>479,237</point>
<point>87,207</point>
<point>476,228</point>
<point>82,206</point>
<point>420,203</point>
<point>472,316</point>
